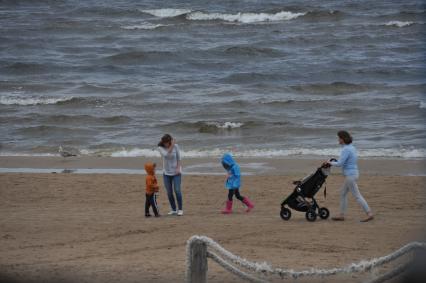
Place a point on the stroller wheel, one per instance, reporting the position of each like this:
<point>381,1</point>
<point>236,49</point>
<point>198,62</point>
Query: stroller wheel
<point>324,213</point>
<point>285,213</point>
<point>311,215</point>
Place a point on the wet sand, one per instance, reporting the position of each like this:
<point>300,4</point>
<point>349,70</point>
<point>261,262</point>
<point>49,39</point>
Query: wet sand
<point>210,166</point>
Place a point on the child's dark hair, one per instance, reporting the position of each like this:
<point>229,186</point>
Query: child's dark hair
<point>165,139</point>
<point>345,136</point>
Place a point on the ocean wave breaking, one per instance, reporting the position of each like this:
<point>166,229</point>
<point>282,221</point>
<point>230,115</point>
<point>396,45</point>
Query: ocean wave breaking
<point>26,101</point>
<point>23,154</point>
<point>271,153</point>
<point>399,24</point>
<point>240,17</point>
<point>412,153</point>
<point>244,18</point>
<point>143,26</point>
<point>228,125</point>
<point>167,12</point>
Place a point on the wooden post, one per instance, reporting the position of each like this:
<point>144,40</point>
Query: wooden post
<point>198,257</point>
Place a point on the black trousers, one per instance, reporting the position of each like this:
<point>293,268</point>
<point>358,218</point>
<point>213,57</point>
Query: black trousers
<point>151,200</point>
<point>235,192</point>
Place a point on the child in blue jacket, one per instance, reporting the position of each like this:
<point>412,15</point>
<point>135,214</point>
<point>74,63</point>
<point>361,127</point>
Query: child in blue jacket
<point>233,183</point>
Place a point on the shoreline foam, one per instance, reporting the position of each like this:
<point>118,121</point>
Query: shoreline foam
<point>205,166</point>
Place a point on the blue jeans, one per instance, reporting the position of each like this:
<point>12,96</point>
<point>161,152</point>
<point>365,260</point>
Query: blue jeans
<point>173,183</point>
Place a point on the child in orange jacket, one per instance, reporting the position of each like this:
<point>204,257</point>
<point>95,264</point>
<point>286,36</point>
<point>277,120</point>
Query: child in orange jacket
<point>151,190</point>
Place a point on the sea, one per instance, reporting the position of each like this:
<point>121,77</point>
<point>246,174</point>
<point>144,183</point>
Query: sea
<point>258,78</point>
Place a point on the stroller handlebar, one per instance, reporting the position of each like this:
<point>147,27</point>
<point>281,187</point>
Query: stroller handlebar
<point>327,165</point>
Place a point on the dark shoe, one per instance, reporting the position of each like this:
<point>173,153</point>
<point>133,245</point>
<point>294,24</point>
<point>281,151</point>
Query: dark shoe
<point>338,218</point>
<point>369,218</point>
<point>147,215</point>
<point>157,215</point>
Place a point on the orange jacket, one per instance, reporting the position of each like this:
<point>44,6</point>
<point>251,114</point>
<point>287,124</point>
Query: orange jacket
<point>150,179</point>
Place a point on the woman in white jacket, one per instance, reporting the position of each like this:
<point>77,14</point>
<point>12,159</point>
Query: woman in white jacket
<point>172,176</point>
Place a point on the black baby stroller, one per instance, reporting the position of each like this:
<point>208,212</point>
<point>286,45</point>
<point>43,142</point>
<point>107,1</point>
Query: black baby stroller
<point>307,188</point>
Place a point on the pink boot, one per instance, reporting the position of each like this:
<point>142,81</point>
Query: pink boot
<point>248,203</point>
<point>228,208</point>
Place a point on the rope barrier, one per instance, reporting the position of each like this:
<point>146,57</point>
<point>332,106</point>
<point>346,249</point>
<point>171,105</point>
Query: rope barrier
<point>265,269</point>
<point>233,270</point>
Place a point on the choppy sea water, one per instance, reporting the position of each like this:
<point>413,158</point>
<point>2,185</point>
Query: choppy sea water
<point>259,78</point>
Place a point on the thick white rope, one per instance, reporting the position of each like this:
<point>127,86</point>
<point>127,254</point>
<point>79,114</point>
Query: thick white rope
<point>233,269</point>
<point>265,268</point>
<point>382,278</point>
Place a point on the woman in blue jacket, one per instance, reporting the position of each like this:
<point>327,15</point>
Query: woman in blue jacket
<point>233,183</point>
<point>348,161</point>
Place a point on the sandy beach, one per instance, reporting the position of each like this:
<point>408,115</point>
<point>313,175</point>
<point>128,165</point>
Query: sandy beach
<point>91,227</point>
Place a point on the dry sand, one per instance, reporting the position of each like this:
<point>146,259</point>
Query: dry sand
<point>91,228</point>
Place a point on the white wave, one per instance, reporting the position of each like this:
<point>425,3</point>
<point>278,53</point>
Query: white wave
<point>166,13</point>
<point>227,125</point>
<point>422,104</point>
<point>238,17</point>
<point>243,17</point>
<point>145,26</point>
<point>271,153</point>
<point>138,152</point>
<point>135,152</point>
<point>397,153</point>
<point>380,152</point>
<point>88,152</point>
<point>399,24</point>
<point>8,100</point>
<point>23,154</point>
<point>254,153</point>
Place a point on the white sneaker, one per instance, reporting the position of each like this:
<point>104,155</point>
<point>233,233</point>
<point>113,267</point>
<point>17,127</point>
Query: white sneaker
<point>180,212</point>
<point>172,212</point>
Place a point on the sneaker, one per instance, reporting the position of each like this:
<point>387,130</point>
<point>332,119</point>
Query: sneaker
<point>180,212</point>
<point>369,217</point>
<point>147,215</point>
<point>172,212</point>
